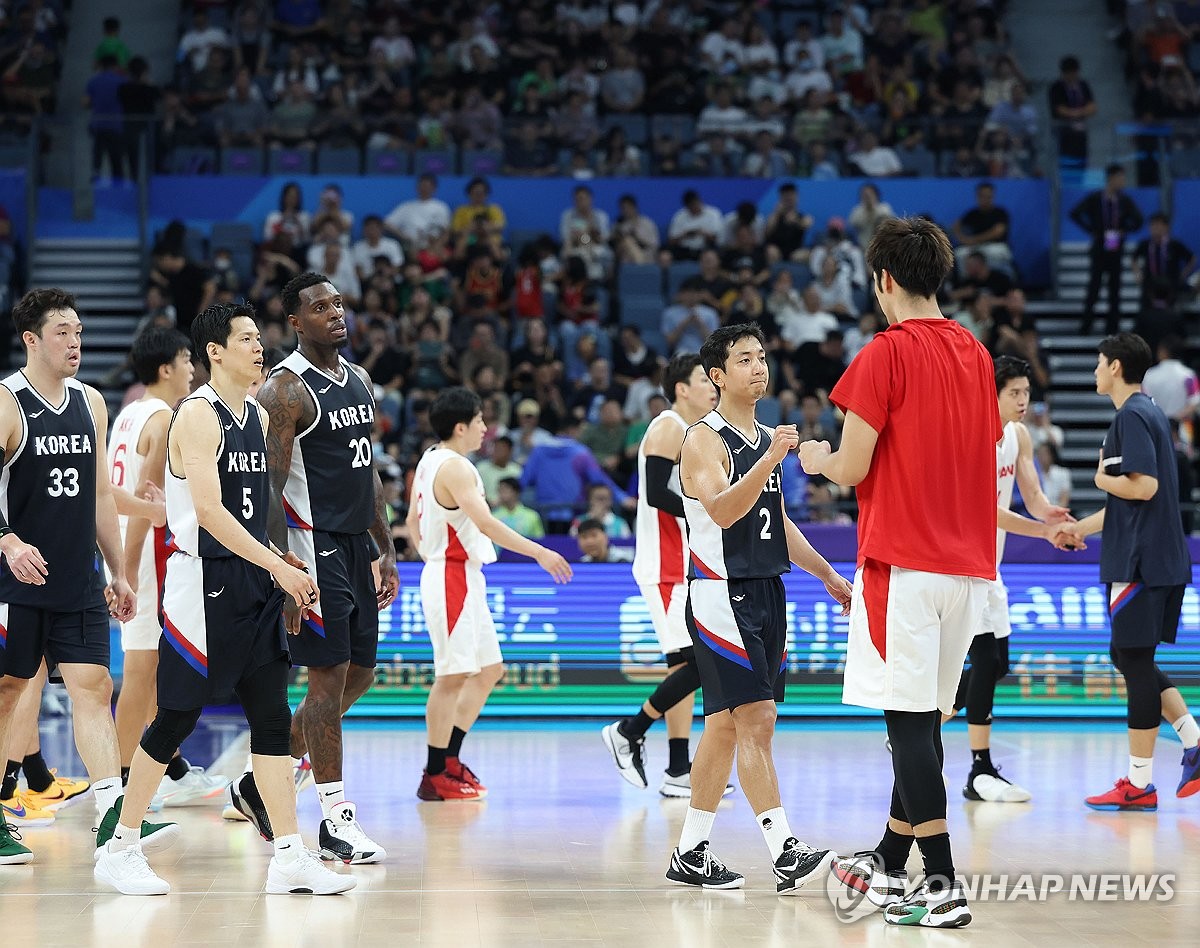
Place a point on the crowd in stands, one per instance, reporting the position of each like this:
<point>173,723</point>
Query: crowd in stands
<point>664,87</point>
<point>32,37</point>
<point>547,336</point>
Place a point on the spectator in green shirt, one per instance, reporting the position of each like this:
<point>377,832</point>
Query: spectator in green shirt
<point>606,439</point>
<point>512,513</point>
<point>112,44</point>
<point>500,466</point>
<point>656,405</point>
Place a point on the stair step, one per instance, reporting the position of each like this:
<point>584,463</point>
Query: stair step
<point>87,243</point>
<point>81,273</point>
<point>1078,416</point>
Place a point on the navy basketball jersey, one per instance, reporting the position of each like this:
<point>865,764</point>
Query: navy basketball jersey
<point>755,547</point>
<point>242,467</point>
<point>331,483</point>
<point>48,492</point>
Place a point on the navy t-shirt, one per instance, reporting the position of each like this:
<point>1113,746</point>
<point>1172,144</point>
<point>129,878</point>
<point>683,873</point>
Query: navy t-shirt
<point>1143,539</point>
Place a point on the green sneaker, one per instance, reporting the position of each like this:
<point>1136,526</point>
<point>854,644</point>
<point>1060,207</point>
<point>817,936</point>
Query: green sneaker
<point>12,853</point>
<point>155,836</point>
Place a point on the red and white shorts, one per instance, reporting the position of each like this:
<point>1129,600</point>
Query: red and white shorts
<point>666,602</point>
<point>453,597</point>
<point>910,632</point>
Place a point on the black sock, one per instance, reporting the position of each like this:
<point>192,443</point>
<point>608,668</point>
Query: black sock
<point>981,762</point>
<point>37,775</point>
<point>679,762</point>
<point>893,850</point>
<point>456,738</point>
<point>635,728</point>
<point>435,762</point>
<point>177,768</point>
<point>124,776</point>
<point>11,772</point>
<point>939,864</point>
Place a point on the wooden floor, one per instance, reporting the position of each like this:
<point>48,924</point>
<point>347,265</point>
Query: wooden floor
<point>564,852</point>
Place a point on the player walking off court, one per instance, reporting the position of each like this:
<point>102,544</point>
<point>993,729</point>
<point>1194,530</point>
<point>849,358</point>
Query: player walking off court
<point>740,543</point>
<point>919,443</point>
<point>1145,565</point>
<point>659,569</point>
<point>330,513</point>
<point>453,530</point>
<point>222,614</point>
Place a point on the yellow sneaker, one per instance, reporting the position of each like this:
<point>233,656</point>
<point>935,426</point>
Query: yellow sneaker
<point>19,810</point>
<point>62,791</point>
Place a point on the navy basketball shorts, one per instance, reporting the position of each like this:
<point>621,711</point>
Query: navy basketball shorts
<point>1141,616</point>
<point>222,620</point>
<point>344,626</point>
<point>29,633</point>
<point>739,630</point>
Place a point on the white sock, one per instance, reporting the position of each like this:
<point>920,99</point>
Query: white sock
<point>775,830</point>
<point>107,790</point>
<point>288,848</point>
<point>331,794</point>
<point>1188,731</point>
<point>1141,771</point>
<point>124,837</point>
<point>697,826</point>
<point>249,764</point>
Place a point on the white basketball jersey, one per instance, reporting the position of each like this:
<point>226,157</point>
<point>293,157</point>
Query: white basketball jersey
<point>124,462</point>
<point>447,534</point>
<point>659,555</point>
<point>1006,477</point>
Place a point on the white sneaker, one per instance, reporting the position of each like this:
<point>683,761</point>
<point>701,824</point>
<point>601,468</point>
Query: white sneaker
<point>993,788</point>
<point>302,774</point>
<point>341,838</point>
<point>194,787</point>
<point>681,787</point>
<point>306,876</point>
<point>233,814</point>
<point>128,872</point>
<point>946,908</point>
<point>627,755</point>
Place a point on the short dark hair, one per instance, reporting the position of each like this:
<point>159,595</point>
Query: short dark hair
<point>505,438</point>
<point>289,296</point>
<point>679,369</point>
<point>155,347</point>
<point>1132,351</point>
<point>453,406</point>
<point>1114,169</point>
<point>1172,344</point>
<point>476,181</point>
<point>109,61</point>
<point>372,219</point>
<point>29,315</point>
<point>691,194</point>
<point>1161,217</point>
<point>510,482</point>
<point>716,347</point>
<point>215,325</point>
<point>1009,368</point>
<point>1068,64</point>
<point>914,251</point>
<point>788,186</point>
<point>590,525</point>
<point>985,184</point>
<point>427,176</point>
<point>111,24</point>
<point>272,356</point>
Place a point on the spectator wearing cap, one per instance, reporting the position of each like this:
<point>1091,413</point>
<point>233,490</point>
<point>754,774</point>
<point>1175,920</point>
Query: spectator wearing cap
<point>984,228</point>
<point>478,210</point>
<point>693,227</point>
<point>688,322</point>
<point>528,433</point>
<point>595,548</point>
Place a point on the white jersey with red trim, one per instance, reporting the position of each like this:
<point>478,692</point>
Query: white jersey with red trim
<point>447,534</point>
<point>125,471</point>
<point>659,554</point>
<point>1006,477</point>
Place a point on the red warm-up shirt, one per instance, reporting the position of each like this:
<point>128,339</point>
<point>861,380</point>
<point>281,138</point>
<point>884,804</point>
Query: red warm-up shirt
<point>928,502</point>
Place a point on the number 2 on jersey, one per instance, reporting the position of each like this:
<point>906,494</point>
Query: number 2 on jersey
<point>765,533</point>
<point>362,452</point>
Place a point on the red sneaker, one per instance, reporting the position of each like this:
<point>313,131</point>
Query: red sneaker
<point>1126,798</point>
<point>444,786</point>
<point>456,768</point>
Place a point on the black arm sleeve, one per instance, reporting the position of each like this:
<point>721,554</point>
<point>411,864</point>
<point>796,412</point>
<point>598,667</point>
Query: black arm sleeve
<point>658,494</point>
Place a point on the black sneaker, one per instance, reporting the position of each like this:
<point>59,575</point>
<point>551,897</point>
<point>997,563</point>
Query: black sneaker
<point>245,798</point>
<point>798,863</point>
<point>699,867</point>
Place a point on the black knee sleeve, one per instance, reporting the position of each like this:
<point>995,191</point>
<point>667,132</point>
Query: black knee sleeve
<point>167,732</point>
<point>1142,687</point>
<point>681,682</point>
<point>917,764</point>
<point>981,684</point>
<point>263,694</point>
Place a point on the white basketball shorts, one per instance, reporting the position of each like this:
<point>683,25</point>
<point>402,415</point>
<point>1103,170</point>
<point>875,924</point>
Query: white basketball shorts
<point>909,636</point>
<point>666,603</point>
<point>143,631</point>
<point>458,618</point>
<point>995,611</point>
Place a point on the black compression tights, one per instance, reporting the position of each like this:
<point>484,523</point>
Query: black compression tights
<point>918,794</point>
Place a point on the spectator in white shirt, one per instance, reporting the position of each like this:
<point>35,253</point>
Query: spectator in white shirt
<point>197,41</point>
<point>693,227</point>
<point>1041,429</point>
<point>688,322</point>
<point>374,244</point>
<point>1056,479</point>
<point>1171,384</point>
<point>807,77</point>
<point>722,50</point>
<point>846,252</point>
<point>809,323</point>
<point>585,231</point>
<point>759,54</point>
<point>420,221</point>
<point>397,48</point>
<point>870,211</point>
<point>875,160</point>
<point>336,262</point>
<point>803,42</point>
<point>721,115</point>
<point>843,45</point>
<point>832,287</point>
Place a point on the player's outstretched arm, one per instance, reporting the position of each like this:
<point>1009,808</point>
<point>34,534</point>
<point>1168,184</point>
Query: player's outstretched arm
<point>457,479</point>
<point>801,552</point>
<point>849,464</point>
<point>24,560</point>
<point>290,409</point>
<point>702,466</point>
<point>1036,501</point>
<point>663,444</point>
